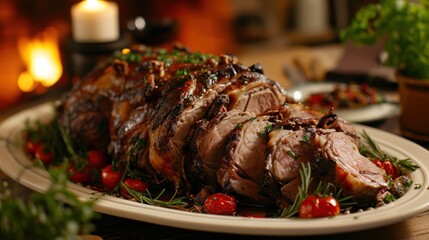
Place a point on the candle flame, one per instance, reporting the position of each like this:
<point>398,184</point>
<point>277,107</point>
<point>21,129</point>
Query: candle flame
<point>42,59</point>
<point>92,4</point>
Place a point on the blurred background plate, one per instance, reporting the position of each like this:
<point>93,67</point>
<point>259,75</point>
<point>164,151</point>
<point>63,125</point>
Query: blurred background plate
<point>370,113</point>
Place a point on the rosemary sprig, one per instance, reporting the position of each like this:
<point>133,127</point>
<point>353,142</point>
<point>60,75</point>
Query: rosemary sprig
<point>305,174</point>
<point>330,189</point>
<point>322,190</point>
<point>147,198</point>
<point>370,149</point>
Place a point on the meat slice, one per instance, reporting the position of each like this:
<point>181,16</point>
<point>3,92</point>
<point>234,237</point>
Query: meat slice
<point>298,110</point>
<point>331,121</point>
<point>206,147</point>
<point>341,163</point>
<point>176,113</point>
<point>242,170</point>
<point>287,150</point>
<point>257,94</point>
<point>85,111</point>
<point>87,119</point>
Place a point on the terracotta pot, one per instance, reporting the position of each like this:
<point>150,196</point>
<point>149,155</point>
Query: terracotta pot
<point>414,103</point>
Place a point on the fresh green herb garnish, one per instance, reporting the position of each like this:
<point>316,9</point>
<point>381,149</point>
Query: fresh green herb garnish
<point>213,76</point>
<point>305,174</point>
<point>195,58</point>
<point>292,154</point>
<point>147,198</point>
<point>389,198</point>
<point>134,152</point>
<point>305,138</point>
<point>322,190</point>
<point>331,190</point>
<point>182,72</point>
<point>129,56</point>
<point>269,128</point>
<point>370,149</point>
<point>46,216</point>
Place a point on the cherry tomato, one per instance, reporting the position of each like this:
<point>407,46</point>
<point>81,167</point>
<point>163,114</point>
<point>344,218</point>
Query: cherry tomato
<point>43,155</point>
<point>97,159</point>
<point>221,204</point>
<point>111,178</point>
<point>316,207</point>
<point>79,175</point>
<point>134,184</point>
<point>388,167</point>
<point>32,147</point>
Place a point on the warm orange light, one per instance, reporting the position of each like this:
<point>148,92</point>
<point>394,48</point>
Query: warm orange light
<point>125,51</point>
<point>26,83</point>
<point>42,58</point>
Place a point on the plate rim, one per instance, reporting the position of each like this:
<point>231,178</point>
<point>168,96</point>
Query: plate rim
<point>26,174</point>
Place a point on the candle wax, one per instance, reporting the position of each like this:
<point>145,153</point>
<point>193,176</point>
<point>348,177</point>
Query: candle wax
<point>95,21</point>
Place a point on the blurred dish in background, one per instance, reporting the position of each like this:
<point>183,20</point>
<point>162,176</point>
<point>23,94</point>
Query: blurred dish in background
<point>352,102</point>
<point>345,96</point>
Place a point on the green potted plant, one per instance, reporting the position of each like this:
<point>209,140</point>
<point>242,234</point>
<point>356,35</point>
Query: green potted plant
<point>403,26</point>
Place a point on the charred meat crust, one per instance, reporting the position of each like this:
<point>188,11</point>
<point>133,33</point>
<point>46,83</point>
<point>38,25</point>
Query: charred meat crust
<point>205,123</point>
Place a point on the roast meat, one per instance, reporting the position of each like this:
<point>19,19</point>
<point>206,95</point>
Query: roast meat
<point>205,123</point>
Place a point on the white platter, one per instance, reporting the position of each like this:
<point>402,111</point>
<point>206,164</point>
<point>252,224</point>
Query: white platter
<point>15,163</point>
<point>373,112</point>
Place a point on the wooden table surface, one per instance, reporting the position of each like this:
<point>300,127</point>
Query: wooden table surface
<point>110,227</point>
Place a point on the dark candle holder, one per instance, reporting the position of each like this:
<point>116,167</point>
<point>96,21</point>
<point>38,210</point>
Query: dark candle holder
<point>83,57</point>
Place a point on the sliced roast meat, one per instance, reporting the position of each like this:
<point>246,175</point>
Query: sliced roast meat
<point>202,123</point>
<point>255,93</point>
<point>176,113</point>
<point>87,119</point>
<point>287,150</point>
<point>247,91</point>
<point>341,163</point>
<point>206,147</point>
<point>298,110</point>
<point>331,121</point>
<point>242,170</point>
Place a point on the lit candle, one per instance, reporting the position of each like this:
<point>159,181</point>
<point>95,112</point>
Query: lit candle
<point>95,21</point>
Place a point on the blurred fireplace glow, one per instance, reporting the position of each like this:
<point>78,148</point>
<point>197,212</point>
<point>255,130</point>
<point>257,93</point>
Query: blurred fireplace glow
<point>42,59</point>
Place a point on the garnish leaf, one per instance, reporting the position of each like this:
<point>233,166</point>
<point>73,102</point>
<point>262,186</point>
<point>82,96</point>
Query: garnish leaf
<point>305,174</point>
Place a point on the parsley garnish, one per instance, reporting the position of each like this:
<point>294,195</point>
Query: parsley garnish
<point>305,138</point>
<point>182,72</point>
<point>132,57</point>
